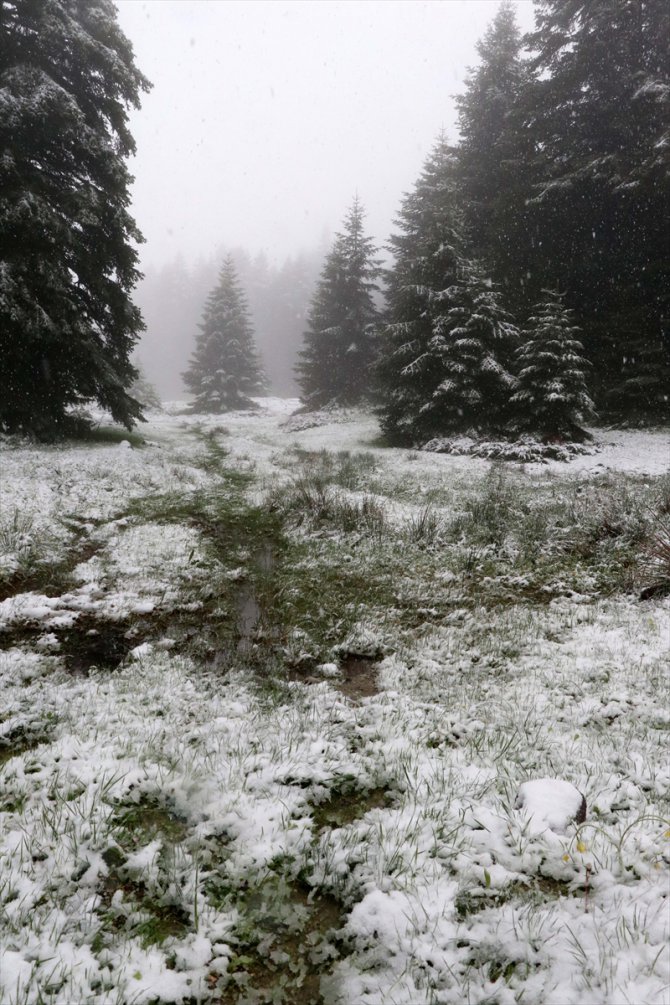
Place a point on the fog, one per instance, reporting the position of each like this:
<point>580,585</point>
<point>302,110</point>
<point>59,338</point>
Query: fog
<point>265,119</point>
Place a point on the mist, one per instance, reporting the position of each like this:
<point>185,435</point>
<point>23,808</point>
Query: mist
<point>263,122</point>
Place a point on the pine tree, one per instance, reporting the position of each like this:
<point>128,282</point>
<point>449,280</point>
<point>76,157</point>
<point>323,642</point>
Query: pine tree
<point>447,344</point>
<point>335,362</point>
<point>552,398</point>
<point>474,340</point>
<point>67,262</point>
<point>224,370</point>
<point>597,115</point>
<point>494,156</point>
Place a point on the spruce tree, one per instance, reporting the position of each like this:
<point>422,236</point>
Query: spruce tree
<point>495,156</point>
<point>224,370</point>
<point>597,113</point>
<point>446,348</point>
<point>474,340</point>
<point>335,362</point>
<point>67,259</point>
<point>551,400</point>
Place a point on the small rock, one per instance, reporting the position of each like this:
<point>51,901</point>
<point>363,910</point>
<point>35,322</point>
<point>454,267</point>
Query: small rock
<point>81,867</point>
<point>551,803</point>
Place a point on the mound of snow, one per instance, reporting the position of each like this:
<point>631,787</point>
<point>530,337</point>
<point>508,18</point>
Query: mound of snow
<point>552,803</point>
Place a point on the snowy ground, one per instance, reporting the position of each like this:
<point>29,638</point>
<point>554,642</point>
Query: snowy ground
<point>270,696</point>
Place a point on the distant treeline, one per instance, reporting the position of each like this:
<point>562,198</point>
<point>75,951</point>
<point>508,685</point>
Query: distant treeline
<point>172,299</point>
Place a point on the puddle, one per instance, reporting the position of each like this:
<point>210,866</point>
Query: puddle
<point>91,642</point>
<point>265,558</point>
<point>248,618</point>
<point>249,610</point>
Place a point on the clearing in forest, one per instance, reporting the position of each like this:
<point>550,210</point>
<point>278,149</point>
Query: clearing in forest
<point>268,692</point>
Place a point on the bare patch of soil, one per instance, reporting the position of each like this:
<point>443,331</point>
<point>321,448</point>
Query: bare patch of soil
<point>343,808</point>
<point>359,677</point>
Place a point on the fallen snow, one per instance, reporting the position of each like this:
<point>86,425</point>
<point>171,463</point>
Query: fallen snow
<point>449,893</point>
<point>551,802</point>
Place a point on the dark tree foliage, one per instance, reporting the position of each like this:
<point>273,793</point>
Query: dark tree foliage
<point>427,261</point>
<point>597,112</point>
<point>494,156</point>
<point>552,398</point>
<point>474,341</point>
<point>335,362</point>
<point>447,346</point>
<point>67,261</point>
<point>224,370</point>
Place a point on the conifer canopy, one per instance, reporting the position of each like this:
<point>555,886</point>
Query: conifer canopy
<point>67,258</point>
<point>448,344</point>
<point>225,371</point>
<point>336,359</point>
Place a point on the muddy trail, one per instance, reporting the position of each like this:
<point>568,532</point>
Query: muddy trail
<point>237,621</point>
<point>257,629</point>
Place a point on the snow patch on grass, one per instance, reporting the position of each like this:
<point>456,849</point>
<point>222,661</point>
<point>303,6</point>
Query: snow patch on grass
<point>171,830</point>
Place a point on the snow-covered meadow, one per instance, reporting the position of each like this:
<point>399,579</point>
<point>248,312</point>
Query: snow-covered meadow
<point>269,697</point>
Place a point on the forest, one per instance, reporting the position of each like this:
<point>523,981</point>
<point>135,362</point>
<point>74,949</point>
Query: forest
<point>555,192</point>
<point>558,183</point>
<point>335,585</point>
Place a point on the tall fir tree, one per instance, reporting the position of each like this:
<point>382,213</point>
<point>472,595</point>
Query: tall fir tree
<point>339,348</point>
<point>494,156</point>
<point>551,399</point>
<point>67,257</point>
<point>224,371</point>
<point>597,112</point>
<point>445,354</point>
<point>474,341</point>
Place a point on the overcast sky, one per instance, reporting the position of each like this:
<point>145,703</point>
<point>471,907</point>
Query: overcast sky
<point>266,117</point>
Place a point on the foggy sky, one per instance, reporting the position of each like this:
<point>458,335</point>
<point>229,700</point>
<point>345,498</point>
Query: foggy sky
<point>266,117</point>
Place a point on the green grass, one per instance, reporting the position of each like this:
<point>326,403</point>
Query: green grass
<point>319,562</point>
<point>145,820</point>
<point>112,435</point>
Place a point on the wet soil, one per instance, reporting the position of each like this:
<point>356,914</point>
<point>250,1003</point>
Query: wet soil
<point>343,808</point>
<point>295,934</point>
<point>359,677</point>
<point>91,642</point>
<point>50,579</point>
<point>18,741</point>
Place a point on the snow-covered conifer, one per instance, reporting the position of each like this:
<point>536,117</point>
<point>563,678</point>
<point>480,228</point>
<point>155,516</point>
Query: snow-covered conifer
<point>444,361</point>
<point>475,339</point>
<point>495,156</point>
<point>67,257</point>
<point>551,399</point>
<point>224,370</point>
